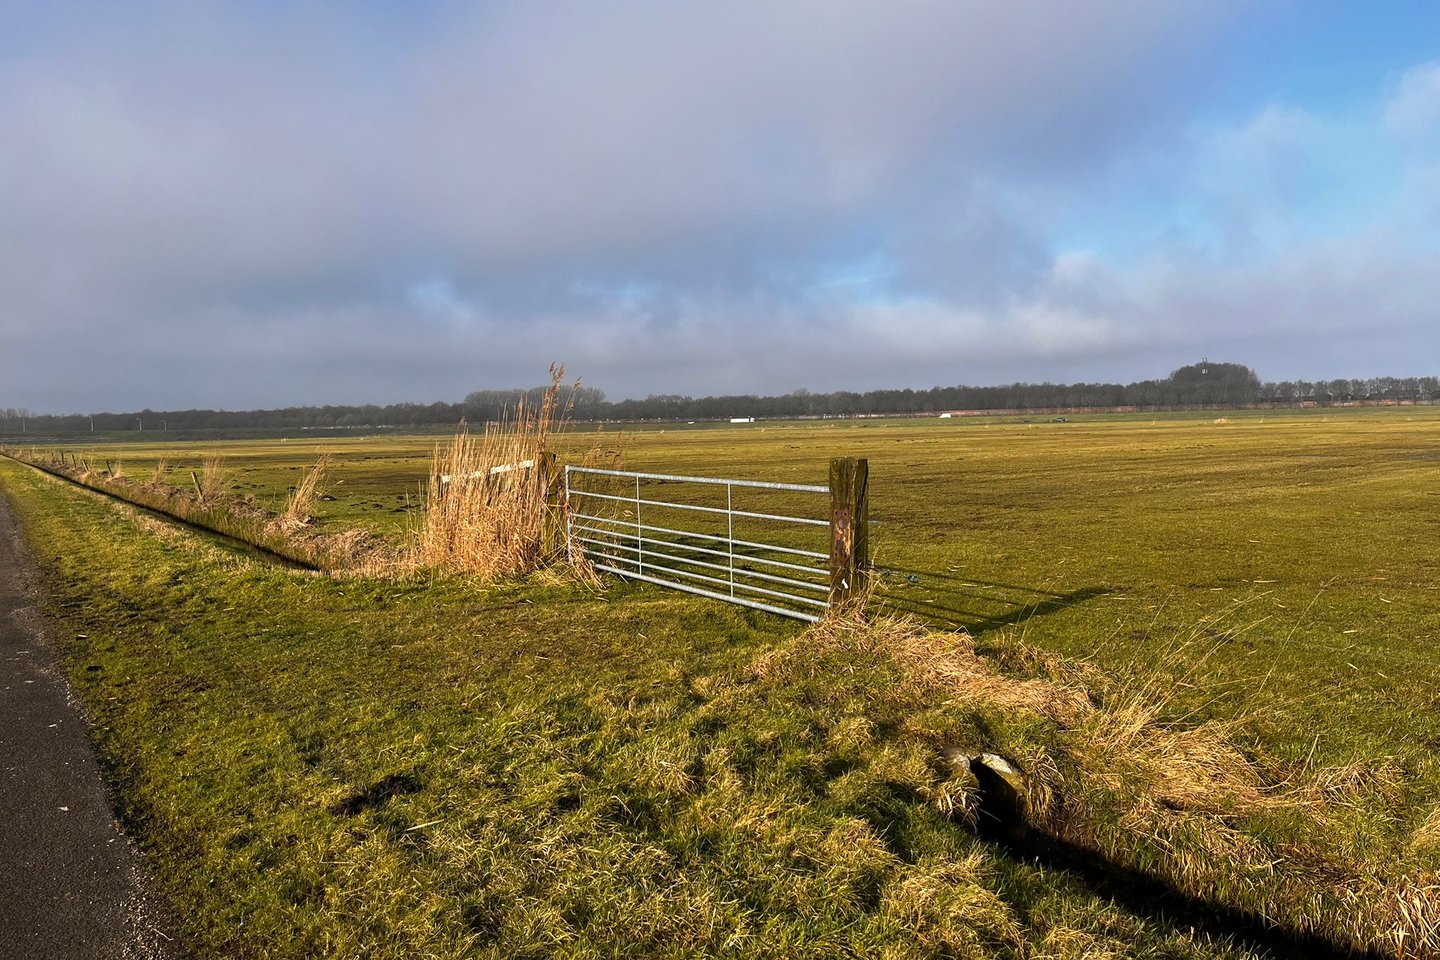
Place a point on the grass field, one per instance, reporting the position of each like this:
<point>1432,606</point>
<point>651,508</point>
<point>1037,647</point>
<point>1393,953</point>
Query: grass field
<point>613,774</point>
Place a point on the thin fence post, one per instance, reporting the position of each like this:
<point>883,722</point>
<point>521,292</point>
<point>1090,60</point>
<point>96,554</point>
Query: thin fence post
<point>849,530</point>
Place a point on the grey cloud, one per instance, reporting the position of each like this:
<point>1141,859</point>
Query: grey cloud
<point>628,127</point>
<point>243,205</point>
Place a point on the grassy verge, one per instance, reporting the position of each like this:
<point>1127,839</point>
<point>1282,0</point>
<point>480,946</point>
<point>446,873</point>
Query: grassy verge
<point>286,534</point>
<point>345,767</point>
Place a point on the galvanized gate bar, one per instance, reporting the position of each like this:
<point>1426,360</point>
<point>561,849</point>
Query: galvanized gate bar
<point>667,504</point>
<point>755,484</point>
<point>631,547</point>
<point>705,536</point>
<point>742,601</point>
<point>694,549</point>
<point>723,582</point>
<point>804,584</point>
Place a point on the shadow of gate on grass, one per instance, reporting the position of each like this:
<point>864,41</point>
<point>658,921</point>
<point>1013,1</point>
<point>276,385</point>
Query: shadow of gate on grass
<point>949,601</point>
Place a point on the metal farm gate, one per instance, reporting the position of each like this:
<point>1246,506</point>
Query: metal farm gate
<point>794,558</point>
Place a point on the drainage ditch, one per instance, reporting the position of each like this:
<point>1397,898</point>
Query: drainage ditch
<point>227,540</point>
<point>1002,819</point>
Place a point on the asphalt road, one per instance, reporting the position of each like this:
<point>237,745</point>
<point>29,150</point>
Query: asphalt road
<point>71,884</point>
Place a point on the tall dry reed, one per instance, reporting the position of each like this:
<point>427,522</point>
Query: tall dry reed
<point>211,484</point>
<point>486,506</point>
<point>301,502</point>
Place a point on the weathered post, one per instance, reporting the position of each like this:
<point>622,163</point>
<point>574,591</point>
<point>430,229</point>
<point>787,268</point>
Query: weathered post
<point>547,483</point>
<point>849,530</point>
<point>545,474</point>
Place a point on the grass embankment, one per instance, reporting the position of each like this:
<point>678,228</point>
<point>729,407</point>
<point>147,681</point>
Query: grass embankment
<point>287,533</point>
<point>353,767</point>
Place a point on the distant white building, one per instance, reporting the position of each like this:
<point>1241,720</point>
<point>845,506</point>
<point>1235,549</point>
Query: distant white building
<point>742,419</point>
<point>946,416</point>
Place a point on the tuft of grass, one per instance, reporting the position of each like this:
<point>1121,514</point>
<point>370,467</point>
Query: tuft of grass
<point>211,485</point>
<point>300,504</point>
<point>1425,840</point>
<point>954,912</point>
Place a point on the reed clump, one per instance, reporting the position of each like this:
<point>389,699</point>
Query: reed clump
<point>300,504</point>
<point>489,510</point>
<point>210,486</point>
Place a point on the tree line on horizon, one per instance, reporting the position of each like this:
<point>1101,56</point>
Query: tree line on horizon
<point>1199,384</point>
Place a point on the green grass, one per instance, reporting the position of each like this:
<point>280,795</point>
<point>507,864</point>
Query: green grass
<point>1274,574</point>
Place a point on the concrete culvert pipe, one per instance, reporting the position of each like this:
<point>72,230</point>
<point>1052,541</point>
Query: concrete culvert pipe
<point>1003,809</point>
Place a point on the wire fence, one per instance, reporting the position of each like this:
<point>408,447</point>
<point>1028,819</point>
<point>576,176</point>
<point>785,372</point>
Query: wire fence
<point>741,541</point>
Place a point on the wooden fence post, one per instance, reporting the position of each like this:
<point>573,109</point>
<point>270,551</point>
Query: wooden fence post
<point>849,530</point>
<point>547,482</point>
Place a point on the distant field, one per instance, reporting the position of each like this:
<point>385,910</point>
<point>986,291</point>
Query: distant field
<point>1277,573</point>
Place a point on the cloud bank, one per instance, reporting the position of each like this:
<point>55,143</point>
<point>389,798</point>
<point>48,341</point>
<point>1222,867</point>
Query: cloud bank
<point>247,205</point>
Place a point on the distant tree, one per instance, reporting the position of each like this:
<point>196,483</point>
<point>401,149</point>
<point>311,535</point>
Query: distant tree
<point>1210,382</point>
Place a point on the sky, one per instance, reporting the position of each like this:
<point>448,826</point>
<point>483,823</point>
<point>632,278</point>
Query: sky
<point>261,204</point>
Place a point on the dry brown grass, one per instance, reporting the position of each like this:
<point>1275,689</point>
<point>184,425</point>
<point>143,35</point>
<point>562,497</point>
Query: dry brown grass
<point>933,660</point>
<point>1414,913</point>
<point>211,485</point>
<point>1177,768</point>
<point>349,552</point>
<point>954,912</point>
<point>1426,838</point>
<point>1354,784</point>
<point>158,477</point>
<point>487,508</point>
<point>1119,748</point>
<point>302,499</point>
